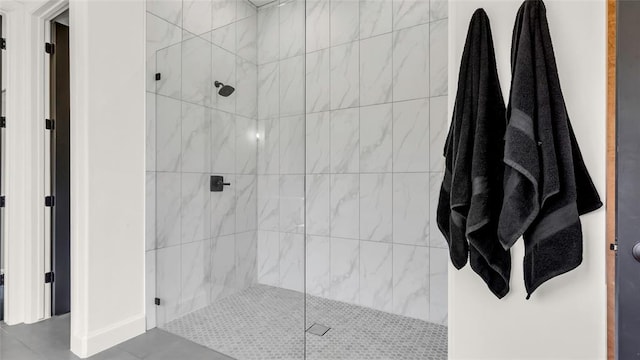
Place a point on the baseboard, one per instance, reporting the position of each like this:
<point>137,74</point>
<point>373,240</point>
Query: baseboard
<point>107,337</point>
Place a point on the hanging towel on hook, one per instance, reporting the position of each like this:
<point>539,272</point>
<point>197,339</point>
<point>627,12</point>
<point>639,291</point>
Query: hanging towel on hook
<point>471,192</point>
<point>546,184</point>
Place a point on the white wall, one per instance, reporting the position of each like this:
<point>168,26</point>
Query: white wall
<point>566,317</point>
<point>107,173</point>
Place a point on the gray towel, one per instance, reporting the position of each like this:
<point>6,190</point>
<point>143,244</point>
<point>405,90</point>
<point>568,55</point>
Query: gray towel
<point>471,192</point>
<point>546,183</point>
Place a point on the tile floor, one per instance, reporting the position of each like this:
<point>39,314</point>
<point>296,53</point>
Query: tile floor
<point>261,322</point>
<point>49,340</point>
<point>266,323</point>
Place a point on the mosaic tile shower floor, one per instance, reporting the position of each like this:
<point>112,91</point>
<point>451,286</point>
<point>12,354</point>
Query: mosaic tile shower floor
<point>266,323</point>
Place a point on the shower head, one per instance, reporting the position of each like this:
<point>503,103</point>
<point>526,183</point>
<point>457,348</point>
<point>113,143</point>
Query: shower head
<point>225,90</point>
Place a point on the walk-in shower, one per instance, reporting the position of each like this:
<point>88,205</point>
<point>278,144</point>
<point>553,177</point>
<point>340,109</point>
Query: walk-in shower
<point>326,118</point>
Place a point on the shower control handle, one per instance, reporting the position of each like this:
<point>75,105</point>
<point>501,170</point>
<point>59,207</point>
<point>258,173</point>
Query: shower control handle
<point>217,183</point>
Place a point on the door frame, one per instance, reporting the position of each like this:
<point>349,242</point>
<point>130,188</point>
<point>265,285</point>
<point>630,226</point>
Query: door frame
<point>611,177</point>
<point>1,173</point>
<point>57,253</point>
<point>24,254</point>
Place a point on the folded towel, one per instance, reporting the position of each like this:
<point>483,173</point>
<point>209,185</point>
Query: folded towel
<point>546,183</point>
<point>471,193</point>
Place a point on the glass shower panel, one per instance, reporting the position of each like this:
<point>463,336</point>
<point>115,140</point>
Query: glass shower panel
<point>376,103</point>
<point>281,163</point>
<point>227,97</point>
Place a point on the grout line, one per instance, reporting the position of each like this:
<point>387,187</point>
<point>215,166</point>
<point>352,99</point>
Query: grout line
<point>329,292</point>
<point>393,238</point>
<point>322,173</point>
<point>205,106</point>
<point>304,167</point>
<point>429,85</point>
<point>359,298</point>
<point>374,104</point>
<point>235,163</point>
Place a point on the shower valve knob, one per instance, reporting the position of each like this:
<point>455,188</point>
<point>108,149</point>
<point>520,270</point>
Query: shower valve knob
<point>217,183</point>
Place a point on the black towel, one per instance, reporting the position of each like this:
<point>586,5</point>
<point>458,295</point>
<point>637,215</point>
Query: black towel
<point>546,183</point>
<point>471,192</point>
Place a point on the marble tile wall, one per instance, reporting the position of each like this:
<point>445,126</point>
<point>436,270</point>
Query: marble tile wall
<point>281,147</point>
<point>374,122</point>
<point>201,245</point>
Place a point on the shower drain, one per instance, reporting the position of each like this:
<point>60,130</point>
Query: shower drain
<point>318,329</point>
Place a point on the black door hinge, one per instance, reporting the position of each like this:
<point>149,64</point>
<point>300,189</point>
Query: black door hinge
<point>1,279</point>
<point>49,48</point>
<point>3,43</point>
<point>156,301</point>
<point>3,122</point>
<point>49,124</point>
<point>49,277</point>
<point>614,246</point>
<point>49,201</point>
<point>158,76</point>
<point>2,201</point>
